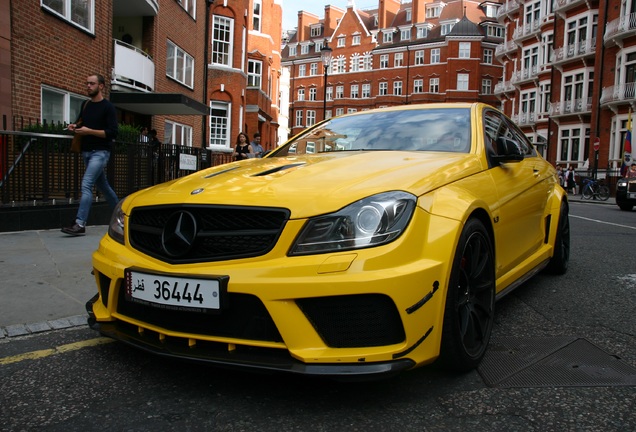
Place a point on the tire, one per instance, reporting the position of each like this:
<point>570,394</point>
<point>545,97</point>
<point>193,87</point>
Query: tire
<point>626,207</point>
<point>561,257</point>
<point>603,193</point>
<point>587,192</point>
<point>470,301</point>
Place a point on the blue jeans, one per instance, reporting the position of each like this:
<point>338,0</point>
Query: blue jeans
<point>94,175</point>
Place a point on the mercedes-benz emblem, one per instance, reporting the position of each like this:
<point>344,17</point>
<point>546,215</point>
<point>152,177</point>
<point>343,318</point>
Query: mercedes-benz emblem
<point>179,233</point>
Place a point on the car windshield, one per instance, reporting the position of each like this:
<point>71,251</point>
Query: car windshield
<point>443,129</point>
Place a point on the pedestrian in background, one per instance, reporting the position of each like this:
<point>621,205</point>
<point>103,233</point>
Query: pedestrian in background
<point>257,148</point>
<point>243,149</point>
<point>570,180</point>
<point>98,131</point>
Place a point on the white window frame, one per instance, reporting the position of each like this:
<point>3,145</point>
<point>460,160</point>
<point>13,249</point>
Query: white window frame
<point>366,91</point>
<point>397,88</point>
<point>190,6</point>
<point>311,118</point>
<point>299,118</point>
<point>435,56</point>
<point>65,12</point>
<point>433,85</point>
<point>419,57</point>
<point>464,50</point>
<point>313,93</point>
<point>462,81</point>
<point>354,91</point>
<point>60,106</point>
<point>355,40</point>
<point>418,86</point>
<point>179,64</point>
<point>254,73</point>
<point>223,40</point>
<point>300,95</point>
<point>339,92</point>
<point>316,30</point>
<point>341,42</point>
<point>177,133</point>
<point>486,86</point>
<point>384,61</point>
<point>398,60</point>
<point>383,88</point>
<point>220,125</point>
<point>302,70</point>
<point>313,69</point>
<point>488,56</point>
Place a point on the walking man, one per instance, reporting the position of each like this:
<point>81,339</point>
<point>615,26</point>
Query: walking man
<point>98,129</point>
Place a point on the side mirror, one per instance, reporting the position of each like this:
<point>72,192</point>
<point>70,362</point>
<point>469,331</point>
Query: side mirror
<point>507,151</point>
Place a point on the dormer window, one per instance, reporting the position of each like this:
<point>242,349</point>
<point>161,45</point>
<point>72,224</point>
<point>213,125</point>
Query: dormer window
<point>341,41</point>
<point>304,49</point>
<point>292,50</point>
<point>433,11</point>
<point>355,40</point>
<point>409,18</point>
<point>447,27</point>
<point>387,37</point>
<point>316,31</point>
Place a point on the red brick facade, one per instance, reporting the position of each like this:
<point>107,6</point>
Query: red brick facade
<point>413,56</point>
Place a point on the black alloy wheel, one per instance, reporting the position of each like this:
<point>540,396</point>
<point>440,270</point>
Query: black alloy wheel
<point>470,300</point>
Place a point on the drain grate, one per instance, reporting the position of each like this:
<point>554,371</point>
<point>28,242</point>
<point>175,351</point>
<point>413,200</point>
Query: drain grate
<point>552,362</point>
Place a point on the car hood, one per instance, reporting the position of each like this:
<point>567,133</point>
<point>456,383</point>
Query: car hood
<point>311,184</point>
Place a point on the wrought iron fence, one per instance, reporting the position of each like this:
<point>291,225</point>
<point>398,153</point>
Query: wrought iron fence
<point>39,168</point>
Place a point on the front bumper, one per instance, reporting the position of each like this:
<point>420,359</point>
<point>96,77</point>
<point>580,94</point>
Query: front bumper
<point>253,359</point>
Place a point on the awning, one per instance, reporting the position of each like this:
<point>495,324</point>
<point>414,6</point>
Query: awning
<point>158,103</point>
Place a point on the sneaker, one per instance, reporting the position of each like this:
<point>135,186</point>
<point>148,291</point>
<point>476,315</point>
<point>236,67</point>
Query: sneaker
<point>75,230</point>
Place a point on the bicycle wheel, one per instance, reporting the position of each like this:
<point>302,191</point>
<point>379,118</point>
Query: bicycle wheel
<point>603,192</point>
<point>587,192</point>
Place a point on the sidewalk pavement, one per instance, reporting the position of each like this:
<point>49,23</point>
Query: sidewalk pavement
<point>46,278</point>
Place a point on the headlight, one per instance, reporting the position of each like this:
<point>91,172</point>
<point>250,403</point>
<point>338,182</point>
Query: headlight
<point>116,226</point>
<point>372,221</point>
<point>621,183</point>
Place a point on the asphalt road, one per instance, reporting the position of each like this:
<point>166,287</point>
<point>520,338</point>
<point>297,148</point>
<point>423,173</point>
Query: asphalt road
<point>73,380</point>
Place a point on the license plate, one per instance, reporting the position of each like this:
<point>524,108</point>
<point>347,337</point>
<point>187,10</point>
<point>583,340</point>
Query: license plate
<point>631,195</point>
<point>174,292</point>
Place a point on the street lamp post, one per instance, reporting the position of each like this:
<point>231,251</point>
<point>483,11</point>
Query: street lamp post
<point>325,54</point>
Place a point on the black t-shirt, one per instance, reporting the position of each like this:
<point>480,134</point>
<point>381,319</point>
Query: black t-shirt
<point>99,116</point>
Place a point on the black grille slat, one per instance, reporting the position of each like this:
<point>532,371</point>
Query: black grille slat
<point>223,232</point>
<point>354,321</point>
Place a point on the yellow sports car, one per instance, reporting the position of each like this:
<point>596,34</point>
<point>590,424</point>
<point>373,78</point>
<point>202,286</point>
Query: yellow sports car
<point>369,244</point>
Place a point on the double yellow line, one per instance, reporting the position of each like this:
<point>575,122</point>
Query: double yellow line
<point>34,355</point>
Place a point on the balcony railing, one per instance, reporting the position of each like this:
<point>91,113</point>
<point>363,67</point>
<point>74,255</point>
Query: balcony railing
<point>620,93</point>
<point>527,29</point>
<point>563,5</point>
<point>525,74</point>
<point>575,50</point>
<point>133,69</point>
<point>505,48</point>
<point>568,107</point>
<point>620,28</point>
<point>503,87</point>
<point>524,118</point>
<point>506,8</point>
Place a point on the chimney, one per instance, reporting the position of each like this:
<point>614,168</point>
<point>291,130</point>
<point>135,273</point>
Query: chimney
<point>387,12</point>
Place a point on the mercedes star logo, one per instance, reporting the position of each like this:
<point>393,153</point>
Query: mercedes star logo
<point>179,233</point>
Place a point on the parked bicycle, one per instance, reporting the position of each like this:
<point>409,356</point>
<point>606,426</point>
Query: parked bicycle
<point>595,189</point>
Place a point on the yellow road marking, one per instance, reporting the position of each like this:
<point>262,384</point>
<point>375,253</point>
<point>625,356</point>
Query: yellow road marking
<point>33,355</point>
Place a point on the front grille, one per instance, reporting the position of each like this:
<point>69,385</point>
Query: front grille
<point>245,318</point>
<point>221,232</point>
<point>631,186</point>
<point>354,321</point>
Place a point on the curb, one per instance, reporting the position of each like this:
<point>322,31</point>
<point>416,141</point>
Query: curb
<point>40,327</point>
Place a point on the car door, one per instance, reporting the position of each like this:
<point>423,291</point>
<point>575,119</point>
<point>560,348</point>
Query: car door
<point>522,195</point>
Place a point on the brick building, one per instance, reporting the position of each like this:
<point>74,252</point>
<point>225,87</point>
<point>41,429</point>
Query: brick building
<point>244,73</point>
<point>569,74</point>
<point>397,53</point>
<point>180,67</point>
